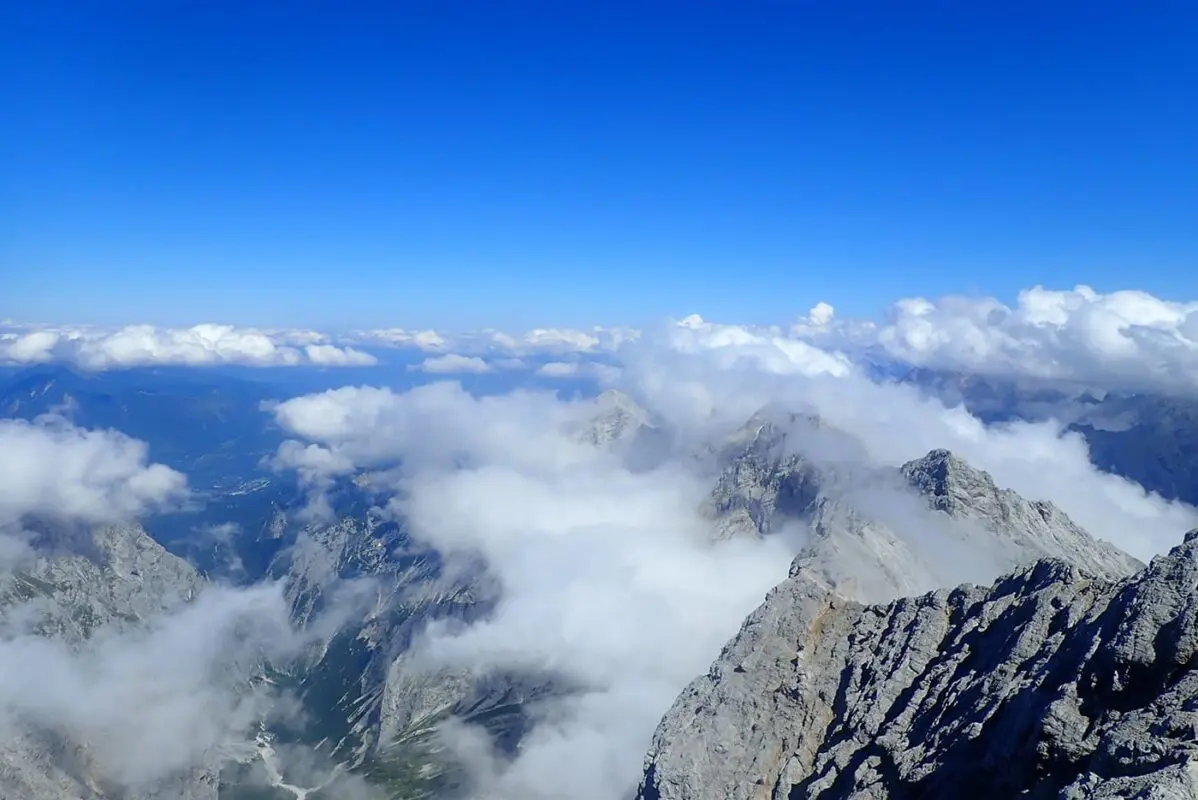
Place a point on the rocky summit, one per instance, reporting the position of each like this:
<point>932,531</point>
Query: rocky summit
<point>878,532</point>
<point>1052,682</point>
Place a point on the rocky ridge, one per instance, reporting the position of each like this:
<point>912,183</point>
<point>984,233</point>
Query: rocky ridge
<point>877,532</point>
<point>1052,682</point>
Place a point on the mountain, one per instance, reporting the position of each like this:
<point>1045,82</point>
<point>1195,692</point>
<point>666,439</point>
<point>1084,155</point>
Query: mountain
<point>361,591</point>
<point>886,531</point>
<point>1052,682</point>
<point>1151,439</point>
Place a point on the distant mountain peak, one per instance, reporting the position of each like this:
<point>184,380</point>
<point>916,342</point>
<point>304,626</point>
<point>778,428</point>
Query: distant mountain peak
<point>616,418</point>
<point>947,480</point>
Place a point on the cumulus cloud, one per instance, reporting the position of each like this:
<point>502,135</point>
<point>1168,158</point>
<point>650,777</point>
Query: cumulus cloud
<point>768,350</point>
<point>439,424</point>
<point>1122,340</point>
<point>559,369</point>
<point>148,703</point>
<point>53,470</point>
<point>399,337</point>
<point>604,373</point>
<point>200,345</point>
<point>331,356</point>
<point>453,362</point>
<point>489,342</point>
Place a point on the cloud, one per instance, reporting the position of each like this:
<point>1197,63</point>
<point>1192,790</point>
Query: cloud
<point>437,425</point>
<point>53,470</point>
<point>1121,340</point>
<point>729,346</point>
<point>154,701</point>
<point>605,373</point>
<point>148,703</point>
<point>608,574</point>
<point>559,369</point>
<point>29,348</point>
<point>399,337</point>
<point>330,356</point>
<point>453,362</point>
<point>200,345</point>
<point>487,342</point>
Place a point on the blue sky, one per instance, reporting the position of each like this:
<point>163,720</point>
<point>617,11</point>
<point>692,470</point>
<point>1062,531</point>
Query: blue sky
<point>461,164</point>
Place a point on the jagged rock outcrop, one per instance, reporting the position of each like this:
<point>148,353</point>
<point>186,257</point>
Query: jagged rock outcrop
<point>764,478</point>
<point>1052,682</point>
<point>879,533</point>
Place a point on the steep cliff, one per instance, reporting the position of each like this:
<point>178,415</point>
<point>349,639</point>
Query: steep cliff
<point>1052,682</point>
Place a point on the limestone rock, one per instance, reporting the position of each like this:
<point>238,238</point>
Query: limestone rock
<point>1052,682</point>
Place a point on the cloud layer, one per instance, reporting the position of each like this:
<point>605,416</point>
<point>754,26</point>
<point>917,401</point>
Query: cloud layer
<point>200,345</point>
<point>608,574</point>
<point>1123,340</point>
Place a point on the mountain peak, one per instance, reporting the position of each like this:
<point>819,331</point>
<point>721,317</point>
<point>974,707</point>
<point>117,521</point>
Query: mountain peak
<point>947,479</point>
<point>616,417</point>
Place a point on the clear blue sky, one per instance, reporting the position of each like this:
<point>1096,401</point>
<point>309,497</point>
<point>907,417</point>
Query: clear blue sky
<point>512,163</point>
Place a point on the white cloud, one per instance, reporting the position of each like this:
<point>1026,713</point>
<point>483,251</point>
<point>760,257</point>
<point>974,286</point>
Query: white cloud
<point>768,350</point>
<point>331,356</point>
<point>559,369</point>
<point>155,701</point>
<point>1125,339</point>
<point>54,470</point>
<point>436,425</point>
<point>452,362</point>
<point>488,342</point>
<point>29,348</point>
<point>703,392</point>
<point>399,337</point>
<point>200,345</point>
<point>608,575</point>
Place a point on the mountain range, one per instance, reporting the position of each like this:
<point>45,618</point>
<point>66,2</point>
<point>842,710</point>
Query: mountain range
<point>865,673</point>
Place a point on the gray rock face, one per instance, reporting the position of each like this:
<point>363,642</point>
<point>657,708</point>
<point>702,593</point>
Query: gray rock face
<point>1050,683</point>
<point>617,423</point>
<point>616,418</point>
<point>877,532</point>
<point>116,577</point>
